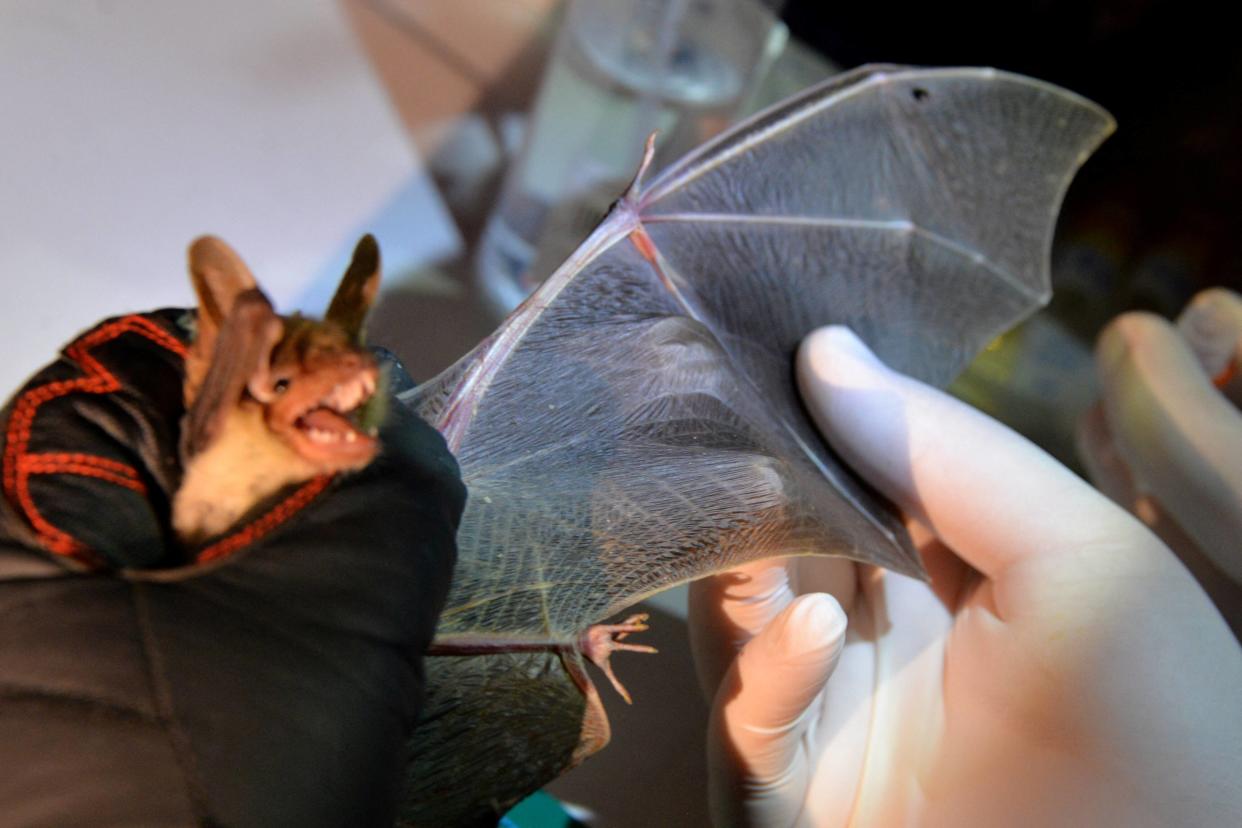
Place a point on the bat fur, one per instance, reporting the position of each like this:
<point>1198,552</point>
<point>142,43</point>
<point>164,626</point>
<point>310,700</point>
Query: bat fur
<point>271,401</point>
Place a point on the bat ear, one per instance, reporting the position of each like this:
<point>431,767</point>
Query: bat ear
<point>357,290</point>
<point>219,276</point>
<point>242,354</point>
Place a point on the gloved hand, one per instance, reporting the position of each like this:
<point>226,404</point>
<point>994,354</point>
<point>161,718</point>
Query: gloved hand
<point>271,681</point>
<point>1166,440</point>
<point>1061,668</point>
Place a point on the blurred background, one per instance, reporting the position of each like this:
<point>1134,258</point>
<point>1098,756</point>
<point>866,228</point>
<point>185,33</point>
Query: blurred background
<point>480,139</point>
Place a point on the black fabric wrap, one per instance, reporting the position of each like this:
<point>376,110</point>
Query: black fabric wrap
<point>275,686</point>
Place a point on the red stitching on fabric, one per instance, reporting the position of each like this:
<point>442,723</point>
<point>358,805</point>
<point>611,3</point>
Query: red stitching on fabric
<point>42,464</point>
<point>287,508</point>
<point>76,458</point>
<point>19,465</point>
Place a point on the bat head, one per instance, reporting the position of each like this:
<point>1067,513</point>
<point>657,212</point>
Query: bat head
<point>312,381</point>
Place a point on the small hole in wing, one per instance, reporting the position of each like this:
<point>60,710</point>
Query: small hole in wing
<point>919,94</point>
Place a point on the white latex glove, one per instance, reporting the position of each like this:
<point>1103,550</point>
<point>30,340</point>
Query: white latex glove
<point>1064,670</point>
<point>1166,439</point>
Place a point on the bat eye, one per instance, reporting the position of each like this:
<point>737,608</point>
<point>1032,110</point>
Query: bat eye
<point>281,385</point>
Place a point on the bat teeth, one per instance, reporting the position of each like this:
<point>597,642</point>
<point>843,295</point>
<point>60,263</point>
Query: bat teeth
<point>347,396</point>
<point>319,435</point>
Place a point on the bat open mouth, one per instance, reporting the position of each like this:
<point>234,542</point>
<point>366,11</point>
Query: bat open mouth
<point>333,428</point>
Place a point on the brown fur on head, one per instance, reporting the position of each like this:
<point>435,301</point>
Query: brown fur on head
<point>269,399</point>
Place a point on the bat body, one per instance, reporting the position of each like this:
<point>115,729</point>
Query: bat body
<point>271,401</point>
<point>635,423</point>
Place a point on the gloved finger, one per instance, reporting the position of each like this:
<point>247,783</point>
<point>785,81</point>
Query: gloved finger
<point>839,577</point>
<point>1107,469</point>
<point>1180,438</point>
<point>985,490</point>
<point>727,610</point>
<point>759,768</point>
<point>1212,326</point>
<point>1104,464</point>
<point>1111,476</point>
<point>951,577</point>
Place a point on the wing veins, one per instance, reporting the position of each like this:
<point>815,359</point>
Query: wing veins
<point>893,225</point>
<point>482,474</point>
<point>620,496</point>
<point>666,277</point>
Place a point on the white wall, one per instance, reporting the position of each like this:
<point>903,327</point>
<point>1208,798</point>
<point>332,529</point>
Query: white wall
<point>128,127</point>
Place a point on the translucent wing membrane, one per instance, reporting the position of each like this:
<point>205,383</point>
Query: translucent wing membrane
<point>635,424</point>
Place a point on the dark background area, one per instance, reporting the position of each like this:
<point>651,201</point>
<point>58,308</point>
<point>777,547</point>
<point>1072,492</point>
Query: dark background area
<point>1154,216</point>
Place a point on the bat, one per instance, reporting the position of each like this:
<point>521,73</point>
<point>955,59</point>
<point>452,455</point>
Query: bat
<point>271,401</point>
<point>635,423</point>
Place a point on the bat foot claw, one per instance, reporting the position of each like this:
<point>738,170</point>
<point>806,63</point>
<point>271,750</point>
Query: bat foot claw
<point>599,642</point>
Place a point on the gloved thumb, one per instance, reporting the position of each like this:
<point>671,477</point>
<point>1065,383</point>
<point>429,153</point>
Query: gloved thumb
<point>1212,326</point>
<point>759,767</point>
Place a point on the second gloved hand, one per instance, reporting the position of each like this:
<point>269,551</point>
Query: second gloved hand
<point>1061,668</point>
<point>1165,441</point>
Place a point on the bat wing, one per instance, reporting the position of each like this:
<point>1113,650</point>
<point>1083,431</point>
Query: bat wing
<point>635,423</point>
